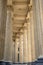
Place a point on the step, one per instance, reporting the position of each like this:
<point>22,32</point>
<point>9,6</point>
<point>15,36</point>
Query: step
<point>40,61</point>
<point>32,63</point>
<point>20,63</point>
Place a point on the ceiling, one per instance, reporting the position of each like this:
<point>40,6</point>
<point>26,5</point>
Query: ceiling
<point>19,14</point>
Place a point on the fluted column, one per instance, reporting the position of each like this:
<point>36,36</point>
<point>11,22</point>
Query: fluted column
<point>32,36</point>
<point>8,37</point>
<point>29,41</point>
<point>41,13</point>
<point>37,28</point>
<point>2,27</point>
<point>16,50</point>
<point>25,47</point>
<point>21,47</point>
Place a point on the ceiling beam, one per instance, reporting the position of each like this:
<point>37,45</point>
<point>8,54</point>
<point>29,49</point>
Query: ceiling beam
<point>20,3</point>
<point>19,0</point>
<point>18,26</point>
<point>20,6</point>
<point>19,18</point>
<point>19,15</point>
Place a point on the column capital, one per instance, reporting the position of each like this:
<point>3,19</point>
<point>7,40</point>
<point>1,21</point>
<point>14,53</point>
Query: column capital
<point>9,3</point>
<point>28,16</point>
<point>10,8</point>
<point>17,36</point>
<point>21,31</point>
<point>17,40</point>
<point>25,26</point>
<point>30,5</point>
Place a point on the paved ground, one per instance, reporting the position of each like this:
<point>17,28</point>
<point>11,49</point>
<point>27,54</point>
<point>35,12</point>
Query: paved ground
<point>19,64</point>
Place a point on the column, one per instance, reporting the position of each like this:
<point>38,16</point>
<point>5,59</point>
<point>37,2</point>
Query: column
<point>29,41</point>
<point>2,27</point>
<point>41,13</point>
<point>32,36</point>
<point>37,28</point>
<point>8,38</point>
<point>25,47</point>
<point>21,47</point>
<point>16,50</point>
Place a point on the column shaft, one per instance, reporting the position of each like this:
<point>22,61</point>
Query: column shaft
<point>13,52</point>
<point>37,28</point>
<point>2,27</point>
<point>25,45</point>
<point>16,50</point>
<point>41,13</point>
<point>29,41</point>
<point>32,36</point>
<point>8,38</point>
<point>21,48</point>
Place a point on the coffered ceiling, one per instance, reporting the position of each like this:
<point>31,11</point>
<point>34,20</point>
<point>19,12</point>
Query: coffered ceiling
<point>19,14</point>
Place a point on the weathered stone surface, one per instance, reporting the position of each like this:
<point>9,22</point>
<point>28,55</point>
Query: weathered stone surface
<point>2,27</point>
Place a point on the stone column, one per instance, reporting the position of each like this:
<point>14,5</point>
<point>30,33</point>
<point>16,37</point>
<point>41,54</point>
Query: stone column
<point>13,52</point>
<point>32,36</point>
<point>21,47</point>
<point>16,50</point>
<point>2,27</point>
<point>37,28</point>
<point>41,13</point>
<point>8,37</point>
<point>29,41</point>
<point>25,45</point>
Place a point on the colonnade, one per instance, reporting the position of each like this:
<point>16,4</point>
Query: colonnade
<point>29,42</point>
